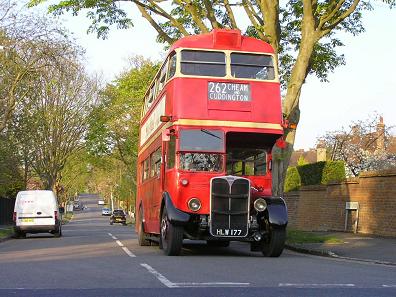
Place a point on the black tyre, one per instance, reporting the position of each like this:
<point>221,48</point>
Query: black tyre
<point>20,234</point>
<point>111,222</point>
<point>142,236</point>
<point>171,238</point>
<point>218,243</point>
<point>274,245</point>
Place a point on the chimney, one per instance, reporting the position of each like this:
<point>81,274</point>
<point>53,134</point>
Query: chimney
<point>381,135</point>
<point>321,151</point>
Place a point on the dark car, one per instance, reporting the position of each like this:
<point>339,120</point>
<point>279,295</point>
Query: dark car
<point>118,216</point>
<point>76,206</point>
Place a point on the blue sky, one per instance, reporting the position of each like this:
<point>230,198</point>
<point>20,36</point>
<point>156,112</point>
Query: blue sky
<point>365,85</point>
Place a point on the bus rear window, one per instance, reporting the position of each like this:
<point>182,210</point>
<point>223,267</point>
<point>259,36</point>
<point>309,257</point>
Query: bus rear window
<point>203,63</point>
<point>252,66</point>
<point>202,140</point>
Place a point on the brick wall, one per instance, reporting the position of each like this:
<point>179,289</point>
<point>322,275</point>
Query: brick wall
<point>319,208</point>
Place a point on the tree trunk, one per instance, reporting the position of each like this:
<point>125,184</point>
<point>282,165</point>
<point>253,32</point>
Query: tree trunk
<point>291,108</point>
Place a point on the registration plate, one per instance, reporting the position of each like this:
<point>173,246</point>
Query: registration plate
<point>27,220</point>
<point>228,232</point>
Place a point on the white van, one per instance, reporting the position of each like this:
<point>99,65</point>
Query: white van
<point>37,211</point>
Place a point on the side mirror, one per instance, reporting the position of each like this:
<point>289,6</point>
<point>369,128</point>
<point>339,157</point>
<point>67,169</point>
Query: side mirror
<point>61,210</point>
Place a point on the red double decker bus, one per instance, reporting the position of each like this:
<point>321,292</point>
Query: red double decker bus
<point>210,119</point>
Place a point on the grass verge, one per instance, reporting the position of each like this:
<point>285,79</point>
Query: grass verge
<point>4,233</point>
<point>300,237</point>
<point>66,218</point>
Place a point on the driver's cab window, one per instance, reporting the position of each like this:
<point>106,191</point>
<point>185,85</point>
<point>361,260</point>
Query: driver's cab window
<point>243,161</point>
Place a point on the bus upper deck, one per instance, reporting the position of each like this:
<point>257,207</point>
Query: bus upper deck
<point>216,79</point>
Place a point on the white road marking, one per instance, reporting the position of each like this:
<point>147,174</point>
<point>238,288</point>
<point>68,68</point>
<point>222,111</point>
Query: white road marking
<point>159,276</point>
<point>170,284</point>
<point>389,286</point>
<point>128,252</point>
<point>112,236</point>
<point>316,285</point>
<point>212,284</point>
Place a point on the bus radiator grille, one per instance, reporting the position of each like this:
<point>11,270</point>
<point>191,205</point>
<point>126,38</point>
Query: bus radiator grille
<point>229,206</point>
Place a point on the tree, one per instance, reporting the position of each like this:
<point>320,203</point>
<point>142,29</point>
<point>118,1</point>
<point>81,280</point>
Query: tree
<point>25,50</point>
<point>51,123</point>
<point>11,180</point>
<point>302,33</point>
<point>363,146</point>
<point>114,123</point>
<point>301,161</point>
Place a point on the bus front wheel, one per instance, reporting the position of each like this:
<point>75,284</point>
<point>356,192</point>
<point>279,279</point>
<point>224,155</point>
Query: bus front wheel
<point>171,240</point>
<point>275,244</point>
<point>142,236</point>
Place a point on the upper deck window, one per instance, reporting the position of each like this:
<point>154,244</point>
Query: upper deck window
<point>252,66</point>
<point>202,140</point>
<point>203,63</point>
<point>172,66</point>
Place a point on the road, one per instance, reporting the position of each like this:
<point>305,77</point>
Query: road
<point>93,258</point>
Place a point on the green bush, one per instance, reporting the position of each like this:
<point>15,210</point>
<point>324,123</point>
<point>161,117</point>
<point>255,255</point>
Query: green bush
<point>334,171</point>
<point>314,174</point>
<point>292,181</point>
<point>311,174</point>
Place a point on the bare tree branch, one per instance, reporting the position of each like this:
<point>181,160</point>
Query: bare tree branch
<point>210,14</point>
<point>190,7</point>
<point>327,28</point>
<point>230,14</point>
<point>157,27</point>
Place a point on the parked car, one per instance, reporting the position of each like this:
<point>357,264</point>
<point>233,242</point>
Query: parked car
<point>118,216</point>
<point>101,202</point>
<point>106,211</point>
<point>37,211</point>
<point>76,206</point>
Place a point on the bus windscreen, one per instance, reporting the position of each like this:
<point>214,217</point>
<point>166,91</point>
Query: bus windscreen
<point>201,162</point>
<point>202,140</point>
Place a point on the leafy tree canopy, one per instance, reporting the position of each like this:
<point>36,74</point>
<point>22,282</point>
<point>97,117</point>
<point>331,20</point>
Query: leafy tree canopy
<point>303,33</point>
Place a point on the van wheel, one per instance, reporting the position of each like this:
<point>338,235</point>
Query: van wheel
<point>142,236</point>
<point>274,245</point>
<point>171,238</point>
<point>20,234</point>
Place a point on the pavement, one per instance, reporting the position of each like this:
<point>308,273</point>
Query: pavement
<point>359,247</point>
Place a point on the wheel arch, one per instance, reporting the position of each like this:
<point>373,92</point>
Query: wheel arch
<point>277,211</point>
<point>176,216</point>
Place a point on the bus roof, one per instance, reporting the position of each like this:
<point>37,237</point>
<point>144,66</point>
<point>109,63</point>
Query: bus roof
<point>223,39</point>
